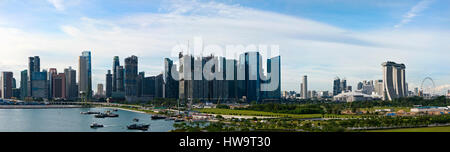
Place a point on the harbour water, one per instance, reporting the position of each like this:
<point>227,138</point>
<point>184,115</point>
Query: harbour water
<point>70,120</point>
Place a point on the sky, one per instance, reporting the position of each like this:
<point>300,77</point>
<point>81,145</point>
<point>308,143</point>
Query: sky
<point>322,39</point>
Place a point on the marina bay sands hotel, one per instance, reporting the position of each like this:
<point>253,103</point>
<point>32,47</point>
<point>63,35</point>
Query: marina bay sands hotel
<point>394,81</point>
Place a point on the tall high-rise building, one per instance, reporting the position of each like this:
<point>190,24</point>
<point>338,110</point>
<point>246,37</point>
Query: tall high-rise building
<point>252,64</point>
<point>6,85</point>
<point>39,85</point>
<point>131,74</point>
<point>109,82</point>
<point>273,84</point>
<point>71,83</point>
<point>59,86</point>
<point>120,79</point>
<point>100,91</point>
<point>336,86</point>
<point>304,90</point>
<point>170,84</point>
<point>394,80</point>
<point>85,74</point>
<point>14,83</point>
<point>159,81</point>
<point>229,79</point>
<point>116,64</point>
<point>34,65</point>
<point>148,87</point>
<point>378,86</point>
<point>140,83</point>
<point>343,86</point>
<point>24,84</point>
<point>51,72</point>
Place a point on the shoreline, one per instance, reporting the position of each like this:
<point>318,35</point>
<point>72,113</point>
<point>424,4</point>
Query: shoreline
<point>39,106</point>
<point>124,109</point>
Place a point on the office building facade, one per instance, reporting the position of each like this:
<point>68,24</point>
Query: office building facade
<point>394,80</point>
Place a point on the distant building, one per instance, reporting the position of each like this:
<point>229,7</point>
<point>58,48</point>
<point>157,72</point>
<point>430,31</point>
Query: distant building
<point>34,65</point>
<point>336,86</point>
<point>100,91</point>
<point>71,83</point>
<point>51,72</point>
<point>6,85</point>
<point>16,93</point>
<point>148,87</point>
<point>85,74</point>
<point>394,80</point>
<point>378,87</point>
<point>59,86</point>
<point>116,65</point>
<point>131,75</point>
<point>23,84</point>
<point>304,90</point>
<point>120,79</point>
<point>39,85</point>
<point>170,84</point>
<point>159,82</point>
<point>355,96</point>
<point>339,86</point>
<point>109,84</point>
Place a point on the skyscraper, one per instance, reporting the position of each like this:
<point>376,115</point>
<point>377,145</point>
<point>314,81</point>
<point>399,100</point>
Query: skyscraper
<point>131,74</point>
<point>14,83</point>
<point>109,82</point>
<point>304,90</point>
<point>343,87</point>
<point>159,81</point>
<point>85,75</point>
<point>378,87</point>
<point>100,90</point>
<point>71,83</point>
<point>39,85</point>
<point>394,80</point>
<point>34,65</point>
<point>120,79</point>
<point>170,84</point>
<point>6,85</point>
<point>336,86</point>
<point>59,85</point>
<point>23,84</point>
<point>51,72</point>
<point>116,64</point>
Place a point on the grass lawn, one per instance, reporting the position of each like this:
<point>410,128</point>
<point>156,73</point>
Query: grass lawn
<point>426,129</point>
<point>256,113</point>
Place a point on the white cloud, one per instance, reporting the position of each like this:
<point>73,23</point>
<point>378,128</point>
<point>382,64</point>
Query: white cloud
<point>418,8</point>
<point>58,4</point>
<point>307,47</point>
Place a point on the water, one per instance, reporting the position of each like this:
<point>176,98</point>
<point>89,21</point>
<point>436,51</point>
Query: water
<point>70,120</point>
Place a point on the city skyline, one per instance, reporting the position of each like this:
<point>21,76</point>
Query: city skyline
<point>321,45</point>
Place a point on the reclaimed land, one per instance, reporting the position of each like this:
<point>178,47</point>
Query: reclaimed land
<point>424,129</point>
<point>268,114</point>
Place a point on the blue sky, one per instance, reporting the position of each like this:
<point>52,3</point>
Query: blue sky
<point>321,39</point>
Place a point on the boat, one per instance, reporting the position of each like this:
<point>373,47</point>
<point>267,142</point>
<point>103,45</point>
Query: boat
<point>157,117</point>
<point>136,119</point>
<point>101,115</point>
<point>171,118</point>
<point>115,110</point>
<point>143,127</point>
<point>89,113</point>
<point>96,125</point>
<point>179,120</point>
<point>113,115</point>
<point>104,115</point>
